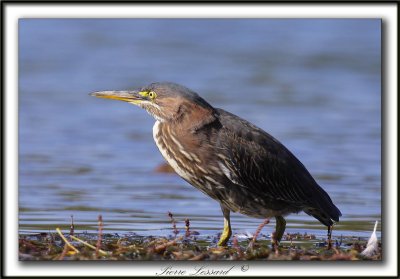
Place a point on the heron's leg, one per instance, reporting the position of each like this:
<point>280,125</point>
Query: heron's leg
<point>279,229</point>
<point>227,232</point>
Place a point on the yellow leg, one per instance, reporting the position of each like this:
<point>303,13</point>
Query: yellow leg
<point>280,228</point>
<point>227,232</point>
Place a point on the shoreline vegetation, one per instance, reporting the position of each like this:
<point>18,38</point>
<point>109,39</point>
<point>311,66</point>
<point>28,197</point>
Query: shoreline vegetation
<point>190,245</point>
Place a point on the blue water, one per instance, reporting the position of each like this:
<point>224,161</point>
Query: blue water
<point>313,84</point>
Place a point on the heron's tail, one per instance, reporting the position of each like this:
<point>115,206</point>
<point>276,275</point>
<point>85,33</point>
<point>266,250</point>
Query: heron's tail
<point>323,217</point>
<point>325,211</point>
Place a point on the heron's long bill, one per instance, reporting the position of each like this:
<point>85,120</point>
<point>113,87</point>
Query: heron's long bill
<point>127,96</point>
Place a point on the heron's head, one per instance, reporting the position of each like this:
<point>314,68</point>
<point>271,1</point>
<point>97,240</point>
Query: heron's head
<point>165,101</point>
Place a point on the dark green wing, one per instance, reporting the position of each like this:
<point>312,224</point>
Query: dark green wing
<point>255,160</point>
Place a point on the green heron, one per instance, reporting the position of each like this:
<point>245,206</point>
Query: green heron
<point>229,159</point>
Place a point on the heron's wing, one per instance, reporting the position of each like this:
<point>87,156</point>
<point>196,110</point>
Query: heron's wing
<point>254,159</point>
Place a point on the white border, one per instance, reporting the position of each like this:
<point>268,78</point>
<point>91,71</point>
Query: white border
<point>13,12</point>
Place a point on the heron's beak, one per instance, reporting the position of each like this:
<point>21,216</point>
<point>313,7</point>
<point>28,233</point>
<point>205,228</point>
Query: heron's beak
<point>127,96</point>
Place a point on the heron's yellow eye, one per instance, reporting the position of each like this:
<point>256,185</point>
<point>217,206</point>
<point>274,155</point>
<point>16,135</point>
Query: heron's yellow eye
<point>152,95</point>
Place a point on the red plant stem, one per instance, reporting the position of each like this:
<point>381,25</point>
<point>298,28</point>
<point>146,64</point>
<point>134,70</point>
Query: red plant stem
<point>237,247</point>
<point>266,221</point>
<point>173,223</point>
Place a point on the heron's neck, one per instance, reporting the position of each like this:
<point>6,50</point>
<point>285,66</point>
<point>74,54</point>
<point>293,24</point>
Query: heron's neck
<point>194,118</point>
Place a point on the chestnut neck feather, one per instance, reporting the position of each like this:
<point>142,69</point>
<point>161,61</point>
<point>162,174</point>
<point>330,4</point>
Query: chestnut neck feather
<point>193,116</point>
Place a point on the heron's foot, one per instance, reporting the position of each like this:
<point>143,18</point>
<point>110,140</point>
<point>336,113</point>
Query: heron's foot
<point>226,234</point>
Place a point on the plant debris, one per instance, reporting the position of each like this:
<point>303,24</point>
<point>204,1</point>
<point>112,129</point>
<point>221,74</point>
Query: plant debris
<point>188,246</point>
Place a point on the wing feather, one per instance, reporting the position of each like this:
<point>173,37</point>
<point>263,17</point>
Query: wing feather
<point>267,168</point>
